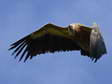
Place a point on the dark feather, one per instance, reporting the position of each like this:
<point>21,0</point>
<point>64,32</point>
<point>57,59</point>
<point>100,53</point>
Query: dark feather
<point>41,45</point>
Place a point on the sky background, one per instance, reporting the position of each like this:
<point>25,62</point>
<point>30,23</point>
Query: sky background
<point>21,17</point>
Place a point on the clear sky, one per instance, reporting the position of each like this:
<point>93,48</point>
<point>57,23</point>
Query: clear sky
<point>21,17</point>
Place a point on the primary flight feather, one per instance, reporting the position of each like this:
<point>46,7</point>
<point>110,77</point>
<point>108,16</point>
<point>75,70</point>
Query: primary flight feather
<point>52,38</point>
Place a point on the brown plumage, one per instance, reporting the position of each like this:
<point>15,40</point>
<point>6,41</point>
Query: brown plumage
<point>52,38</point>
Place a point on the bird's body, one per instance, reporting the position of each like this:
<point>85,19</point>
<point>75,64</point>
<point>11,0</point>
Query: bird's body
<point>51,38</point>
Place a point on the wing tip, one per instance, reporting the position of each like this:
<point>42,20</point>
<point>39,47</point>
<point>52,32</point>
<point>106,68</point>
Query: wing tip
<point>97,44</point>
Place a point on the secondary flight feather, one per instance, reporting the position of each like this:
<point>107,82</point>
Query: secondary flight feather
<point>52,38</point>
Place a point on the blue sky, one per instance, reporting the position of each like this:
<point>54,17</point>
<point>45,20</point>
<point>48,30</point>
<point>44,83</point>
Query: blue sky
<point>21,17</point>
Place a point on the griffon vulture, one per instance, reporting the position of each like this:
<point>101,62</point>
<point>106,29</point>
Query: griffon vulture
<point>52,38</point>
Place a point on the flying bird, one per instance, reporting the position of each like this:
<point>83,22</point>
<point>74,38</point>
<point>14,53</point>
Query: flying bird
<point>52,38</point>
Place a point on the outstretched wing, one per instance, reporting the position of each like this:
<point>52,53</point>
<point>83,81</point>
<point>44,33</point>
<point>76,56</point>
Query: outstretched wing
<point>49,38</point>
<point>91,40</point>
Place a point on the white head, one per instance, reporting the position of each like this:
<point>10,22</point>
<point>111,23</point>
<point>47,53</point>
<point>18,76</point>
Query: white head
<point>73,28</point>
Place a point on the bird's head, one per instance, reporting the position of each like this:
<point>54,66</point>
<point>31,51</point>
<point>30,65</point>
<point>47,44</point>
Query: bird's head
<point>74,28</point>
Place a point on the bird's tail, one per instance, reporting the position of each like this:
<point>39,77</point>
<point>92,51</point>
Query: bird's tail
<point>97,45</point>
